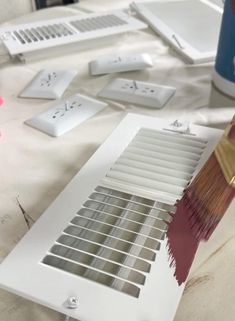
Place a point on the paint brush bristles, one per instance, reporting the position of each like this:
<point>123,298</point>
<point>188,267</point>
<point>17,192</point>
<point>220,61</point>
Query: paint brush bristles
<point>211,192</point>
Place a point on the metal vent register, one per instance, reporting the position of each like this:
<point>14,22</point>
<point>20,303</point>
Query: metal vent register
<point>21,40</point>
<point>58,30</point>
<point>103,239</point>
<point>112,240</point>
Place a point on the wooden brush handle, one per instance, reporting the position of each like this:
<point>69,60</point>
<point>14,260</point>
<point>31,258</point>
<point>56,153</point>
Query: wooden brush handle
<point>225,153</point>
<point>231,134</point>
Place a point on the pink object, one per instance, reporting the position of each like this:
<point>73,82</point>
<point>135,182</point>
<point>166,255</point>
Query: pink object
<point>1,101</point>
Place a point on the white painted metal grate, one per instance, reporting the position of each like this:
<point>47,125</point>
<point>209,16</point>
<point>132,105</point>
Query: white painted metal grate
<point>112,239</point>
<point>158,163</point>
<point>66,29</point>
<point>115,235</point>
<point>42,33</point>
<point>105,21</point>
<point>25,38</point>
<point>102,241</point>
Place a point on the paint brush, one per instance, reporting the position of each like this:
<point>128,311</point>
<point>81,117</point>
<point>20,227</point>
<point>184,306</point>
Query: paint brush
<point>211,192</point>
<point>202,206</point>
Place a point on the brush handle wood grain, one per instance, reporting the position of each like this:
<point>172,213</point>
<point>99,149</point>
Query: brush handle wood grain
<point>231,134</point>
<point>225,154</point>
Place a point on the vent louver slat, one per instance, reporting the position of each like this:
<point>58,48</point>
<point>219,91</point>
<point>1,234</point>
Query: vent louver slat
<point>149,203</point>
<point>98,263</point>
<point>131,216</point>
<point>165,150</point>
<point>112,242</point>
<point>107,253</point>
<point>166,136</point>
<point>92,275</point>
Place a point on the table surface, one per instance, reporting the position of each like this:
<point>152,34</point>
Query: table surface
<point>35,168</point>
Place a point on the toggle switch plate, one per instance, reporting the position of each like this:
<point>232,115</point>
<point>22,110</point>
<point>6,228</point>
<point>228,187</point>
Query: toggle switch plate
<point>49,84</point>
<point>67,115</point>
<point>120,63</point>
<point>137,92</point>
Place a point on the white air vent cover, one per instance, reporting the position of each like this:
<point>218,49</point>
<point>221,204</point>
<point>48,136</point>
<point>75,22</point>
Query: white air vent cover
<point>31,37</point>
<point>103,241</point>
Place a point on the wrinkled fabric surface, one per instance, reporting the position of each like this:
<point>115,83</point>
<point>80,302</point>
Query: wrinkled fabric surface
<point>35,168</point>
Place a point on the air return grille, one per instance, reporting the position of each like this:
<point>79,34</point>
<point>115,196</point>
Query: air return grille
<point>56,32</point>
<point>115,235</point>
<point>103,240</point>
<point>59,30</point>
<point>112,240</point>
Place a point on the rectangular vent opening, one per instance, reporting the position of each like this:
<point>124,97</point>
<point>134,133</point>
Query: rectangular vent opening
<point>112,239</point>
<point>29,41</point>
<point>115,236</point>
<point>47,32</point>
<point>58,30</point>
<point>96,23</point>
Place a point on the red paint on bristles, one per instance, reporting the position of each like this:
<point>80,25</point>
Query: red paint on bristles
<point>207,199</point>
<point>209,195</point>
<point>199,211</point>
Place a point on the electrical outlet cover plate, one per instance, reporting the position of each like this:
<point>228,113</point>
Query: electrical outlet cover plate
<point>120,63</point>
<point>49,84</point>
<point>137,92</point>
<point>65,116</point>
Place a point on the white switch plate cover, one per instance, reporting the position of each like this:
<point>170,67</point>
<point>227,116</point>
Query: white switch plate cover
<point>138,92</point>
<point>66,115</point>
<point>49,84</point>
<point>120,63</point>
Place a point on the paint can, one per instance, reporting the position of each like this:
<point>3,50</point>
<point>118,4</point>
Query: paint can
<point>224,71</point>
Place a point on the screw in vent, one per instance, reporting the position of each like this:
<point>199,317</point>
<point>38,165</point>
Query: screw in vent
<point>71,302</point>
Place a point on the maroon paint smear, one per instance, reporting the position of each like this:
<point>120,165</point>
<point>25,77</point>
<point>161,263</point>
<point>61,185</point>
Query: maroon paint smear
<point>182,244</point>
